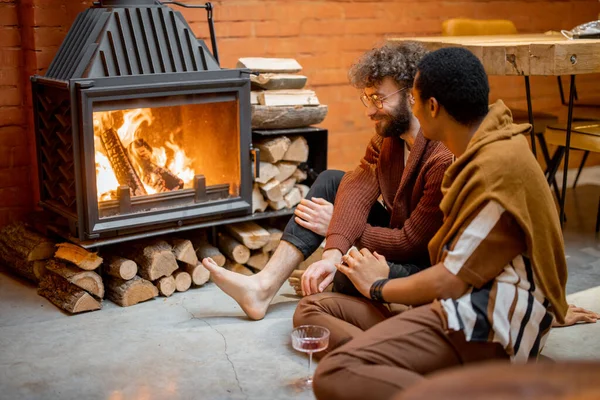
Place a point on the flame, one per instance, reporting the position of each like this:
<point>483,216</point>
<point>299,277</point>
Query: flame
<point>106,181</point>
<point>179,164</point>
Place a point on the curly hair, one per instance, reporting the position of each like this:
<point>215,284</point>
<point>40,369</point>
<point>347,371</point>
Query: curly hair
<point>457,80</point>
<point>396,60</point>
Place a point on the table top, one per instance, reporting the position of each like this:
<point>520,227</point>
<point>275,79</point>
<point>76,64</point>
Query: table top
<point>524,54</point>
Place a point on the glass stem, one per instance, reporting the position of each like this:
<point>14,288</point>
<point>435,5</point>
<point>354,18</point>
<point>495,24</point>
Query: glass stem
<point>309,366</point>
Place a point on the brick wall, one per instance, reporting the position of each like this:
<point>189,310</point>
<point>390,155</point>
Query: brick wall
<point>324,36</point>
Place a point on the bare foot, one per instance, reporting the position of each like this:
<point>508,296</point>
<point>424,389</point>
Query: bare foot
<point>247,291</point>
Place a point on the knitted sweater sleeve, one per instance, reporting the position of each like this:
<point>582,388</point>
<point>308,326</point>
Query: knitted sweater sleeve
<point>356,194</point>
<point>411,240</point>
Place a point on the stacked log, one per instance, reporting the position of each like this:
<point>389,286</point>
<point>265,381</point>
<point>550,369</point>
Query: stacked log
<point>279,98</point>
<point>70,280</point>
<point>279,184</point>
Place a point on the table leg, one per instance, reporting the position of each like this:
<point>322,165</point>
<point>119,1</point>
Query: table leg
<point>530,112</point>
<point>567,148</point>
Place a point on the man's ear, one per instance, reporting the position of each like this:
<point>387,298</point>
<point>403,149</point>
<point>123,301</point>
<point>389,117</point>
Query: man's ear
<point>434,107</point>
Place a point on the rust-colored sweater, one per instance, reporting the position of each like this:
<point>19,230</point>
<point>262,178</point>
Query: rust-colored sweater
<point>411,195</point>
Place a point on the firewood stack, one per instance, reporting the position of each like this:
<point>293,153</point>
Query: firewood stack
<point>279,184</point>
<point>246,246</point>
<point>279,98</point>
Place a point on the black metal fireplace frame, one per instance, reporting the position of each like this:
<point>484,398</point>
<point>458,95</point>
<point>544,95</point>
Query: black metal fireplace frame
<point>207,86</point>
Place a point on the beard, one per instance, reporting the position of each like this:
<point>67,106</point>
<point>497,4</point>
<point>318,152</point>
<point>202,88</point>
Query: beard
<point>394,125</point>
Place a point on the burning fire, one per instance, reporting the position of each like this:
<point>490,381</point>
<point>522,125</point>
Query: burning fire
<point>145,169</point>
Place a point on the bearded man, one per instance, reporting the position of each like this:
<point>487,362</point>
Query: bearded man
<point>400,167</point>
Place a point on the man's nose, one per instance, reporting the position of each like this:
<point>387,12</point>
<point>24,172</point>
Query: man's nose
<point>371,110</point>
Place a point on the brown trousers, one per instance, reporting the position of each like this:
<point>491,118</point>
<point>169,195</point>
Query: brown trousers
<point>374,354</point>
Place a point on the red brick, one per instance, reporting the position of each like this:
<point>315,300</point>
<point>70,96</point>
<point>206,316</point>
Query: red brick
<point>10,96</point>
<point>8,14</point>
<point>232,49</point>
<point>11,177</point>
<point>11,136</point>
<point>11,214</point>
<point>276,29</point>
<point>248,11</point>
<point>364,10</point>
<point>15,196</point>
<point>46,15</point>
<point>45,36</point>
<point>10,36</point>
<point>327,77</point>
<point>323,27</point>
<point>10,57</point>
<point>11,116</point>
<point>297,11</point>
<point>10,76</point>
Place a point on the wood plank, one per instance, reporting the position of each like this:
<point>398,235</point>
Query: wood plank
<point>261,64</point>
<point>265,117</point>
<point>270,81</point>
<point>280,98</point>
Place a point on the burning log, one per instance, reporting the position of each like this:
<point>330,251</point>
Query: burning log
<point>89,281</point>
<point>159,178</point>
<point>131,292</point>
<point>121,165</point>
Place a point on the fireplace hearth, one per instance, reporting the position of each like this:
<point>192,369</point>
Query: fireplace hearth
<point>139,130</point>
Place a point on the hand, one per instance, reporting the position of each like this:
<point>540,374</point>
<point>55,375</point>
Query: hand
<point>318,276</point>
<point>363,268</point>
<point>577,314</point>
<point>314,215</point>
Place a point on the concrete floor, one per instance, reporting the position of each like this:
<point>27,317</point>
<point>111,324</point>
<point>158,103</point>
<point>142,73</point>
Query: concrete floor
<point>199,345</point>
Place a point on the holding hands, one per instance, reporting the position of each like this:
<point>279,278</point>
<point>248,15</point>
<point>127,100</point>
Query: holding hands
<point>363,268</point>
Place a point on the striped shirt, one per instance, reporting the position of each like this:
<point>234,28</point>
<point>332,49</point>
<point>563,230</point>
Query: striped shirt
<point>504,303</point>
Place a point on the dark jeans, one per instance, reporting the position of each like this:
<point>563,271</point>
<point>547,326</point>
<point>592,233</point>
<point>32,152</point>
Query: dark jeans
<point>325,187</point>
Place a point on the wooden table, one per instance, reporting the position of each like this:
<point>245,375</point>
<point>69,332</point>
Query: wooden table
<point>530,55</point>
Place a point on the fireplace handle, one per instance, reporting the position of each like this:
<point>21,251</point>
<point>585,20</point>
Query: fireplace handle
<point>256,158</point>
<point>209,16</point>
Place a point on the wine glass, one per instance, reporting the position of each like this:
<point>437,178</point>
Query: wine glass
<point>309,339</point>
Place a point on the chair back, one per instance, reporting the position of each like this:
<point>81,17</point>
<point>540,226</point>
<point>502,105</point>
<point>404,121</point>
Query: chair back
<point>477,27</point>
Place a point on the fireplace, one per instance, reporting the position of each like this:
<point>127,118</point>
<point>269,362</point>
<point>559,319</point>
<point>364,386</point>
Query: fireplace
<point>138,129</point>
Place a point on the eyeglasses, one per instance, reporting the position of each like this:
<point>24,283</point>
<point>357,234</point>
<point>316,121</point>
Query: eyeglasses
<point>376,100</point>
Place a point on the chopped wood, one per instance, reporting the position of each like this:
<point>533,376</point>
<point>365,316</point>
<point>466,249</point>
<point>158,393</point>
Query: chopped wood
<point>254,97</point>
<point>183,281</point>
<point>155,176</point>
<point>270,81</point>
<point>286,169</point>
<point>258,201</point>
<point>261,64</point>
<point>121,165</point>
<point>267,171</point>
<point>184,251</point>
<point>28,245</point>
<point>65,295</point>
<point>271,190</point>
<point>258,259</point>
<point>273,150</point>
<point>233,249</point>
<point>274,239</point>
<point>120,267</point>
<point>131,292</point>
<point>89,281</point>
<point>78,256</point>
<point>299,175</point>
<point>166,285</point>
<point>266,117</point>
<point>238,268</point>
<point>205,250</point>
<point>12,260</point>
<point>249,233</point>
<point>198,273</point>
<point>293,97</point>
<point>154,258</point>
<point>298,150</point>
<point>287,186</point>
<point>292,198</point>
<point>277,205</point>
<point>303,190</point>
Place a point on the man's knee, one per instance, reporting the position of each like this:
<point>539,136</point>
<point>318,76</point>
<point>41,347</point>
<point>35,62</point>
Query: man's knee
<point>329,376</point>
<point>329,176</point>
<point>307,308</point>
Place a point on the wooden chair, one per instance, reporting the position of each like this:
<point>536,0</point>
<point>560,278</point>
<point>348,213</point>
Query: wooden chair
<point>585,135</point>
